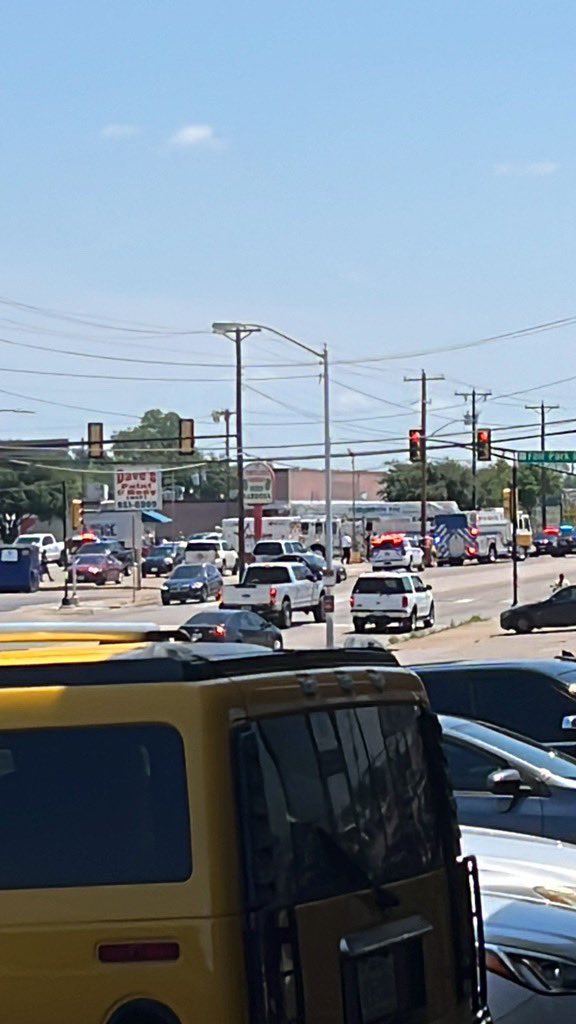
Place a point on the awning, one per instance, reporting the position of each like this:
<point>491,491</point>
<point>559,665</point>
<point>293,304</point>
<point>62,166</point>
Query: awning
<point>152,516</point>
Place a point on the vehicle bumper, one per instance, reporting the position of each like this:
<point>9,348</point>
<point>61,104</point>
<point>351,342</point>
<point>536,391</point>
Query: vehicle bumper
<point>515,1004</point>
<point>265,610</point>
<point>386,617</point>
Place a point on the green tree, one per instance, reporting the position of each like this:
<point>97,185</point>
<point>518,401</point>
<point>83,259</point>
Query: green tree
<point>493,479</point>
<point>26,490</point>
<point>447,480</point>
<point>157,433</point>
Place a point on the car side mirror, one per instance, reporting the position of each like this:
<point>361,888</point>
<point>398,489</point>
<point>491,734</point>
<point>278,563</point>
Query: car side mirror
<point>428,586</point>
<point>569,722</point>
<point>505,782</point>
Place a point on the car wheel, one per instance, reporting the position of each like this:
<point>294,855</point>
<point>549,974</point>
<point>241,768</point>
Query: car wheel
<point>203,595</point>
<point>285,615</point>
<point>320,610</point>
<point>492,554</point>
<point>118,579</point>
<point>431,617</point>
<point>359,625</point>
<point>165,600</point>
<point>523,624</point>
<point>100,581</point>
<point>145,573</point>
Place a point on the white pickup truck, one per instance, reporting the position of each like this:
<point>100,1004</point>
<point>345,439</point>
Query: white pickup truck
<point>276,591</point>
<point>46,543</point>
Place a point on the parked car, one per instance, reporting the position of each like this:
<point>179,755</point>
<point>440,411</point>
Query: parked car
<point>545,543</point>
<point>113,548</point>
<point>502,780</point>
<point>217,551</point>
<point>557,610</point>
<point>535,698</point>
<point>162,559</point>
<point>192,583</point>
<point>391,598</point>
<point>272,550</point>
<point>46,543</point>
<point>395,551</point>
<point>528,889</point>
<point>228,626</point>
<point>98,569</point>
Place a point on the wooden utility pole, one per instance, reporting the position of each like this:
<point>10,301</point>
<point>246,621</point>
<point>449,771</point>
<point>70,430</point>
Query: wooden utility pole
<point>543,409</point>
<point>424,379</point>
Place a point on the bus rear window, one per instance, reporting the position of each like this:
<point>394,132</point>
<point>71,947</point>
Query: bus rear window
<point>88,807</point>
<point>334,802</point>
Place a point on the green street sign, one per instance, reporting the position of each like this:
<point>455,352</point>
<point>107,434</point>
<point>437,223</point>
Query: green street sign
<point>540,458</point>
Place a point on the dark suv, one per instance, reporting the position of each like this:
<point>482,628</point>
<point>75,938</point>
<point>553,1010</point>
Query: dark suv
<point>534,698</point>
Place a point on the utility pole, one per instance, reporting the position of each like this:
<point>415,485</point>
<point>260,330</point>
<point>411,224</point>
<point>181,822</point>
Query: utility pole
<point>424,379</point>
<point>514,512</point>
<point>543,409</point>
<point>474,395</point>
<point>353,458</point>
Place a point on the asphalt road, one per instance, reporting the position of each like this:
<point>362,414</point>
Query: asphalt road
<point>460,593</point>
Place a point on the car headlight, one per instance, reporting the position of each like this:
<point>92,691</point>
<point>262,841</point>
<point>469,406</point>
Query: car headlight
<point>197,583</point>
<point>165,586</point>
<point>552,976</point>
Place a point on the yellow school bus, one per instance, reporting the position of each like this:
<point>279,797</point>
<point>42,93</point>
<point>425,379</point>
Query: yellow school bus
<point>220,833</point>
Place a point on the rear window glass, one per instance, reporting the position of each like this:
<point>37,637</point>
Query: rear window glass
<point>202,545</point>
<point>266,574</point>
<point>334,801</point>
<point>88,807</point>
<point>377,585</point>
<point>186,572</point>
<point>270,547</point>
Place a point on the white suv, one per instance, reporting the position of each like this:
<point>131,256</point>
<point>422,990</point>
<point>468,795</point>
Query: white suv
<point>270,550</point>
<point>395,551</point>
<point>219,552</point>
<point>391,597</point>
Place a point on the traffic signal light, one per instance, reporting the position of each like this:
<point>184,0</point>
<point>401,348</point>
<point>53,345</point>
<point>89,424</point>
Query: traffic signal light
<point>77,513</point>
<point>186,436</point>
<point>96,440</point>
<point>484,445</point>
<point>415,445</point>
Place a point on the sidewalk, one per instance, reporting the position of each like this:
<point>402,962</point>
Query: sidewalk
<point>484,641</point>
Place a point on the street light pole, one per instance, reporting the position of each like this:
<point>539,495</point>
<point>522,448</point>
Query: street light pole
<point>237,332</point>
<point>226,415</point>
<point>353,459</point>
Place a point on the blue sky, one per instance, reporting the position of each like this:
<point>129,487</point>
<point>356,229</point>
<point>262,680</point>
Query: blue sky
<point>382,177</point>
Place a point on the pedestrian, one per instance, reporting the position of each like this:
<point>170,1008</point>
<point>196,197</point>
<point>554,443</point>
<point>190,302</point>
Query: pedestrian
<point>44,567</point>
<point>346,548</point>
<point>560,583</point>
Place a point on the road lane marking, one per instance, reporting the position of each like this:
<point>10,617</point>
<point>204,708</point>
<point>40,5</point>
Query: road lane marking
<point>463,600</point>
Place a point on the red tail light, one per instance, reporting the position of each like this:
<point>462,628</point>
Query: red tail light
<point>219,631</point>
<point>130,952</point>
<point>472,551</point>
<point>352,600</point>
<point>273,593</point>
<point>405,601</point>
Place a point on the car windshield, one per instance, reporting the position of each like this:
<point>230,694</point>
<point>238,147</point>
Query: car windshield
<point>516,746</point>
<point>187,572</point>
<point>375,585</point>
<point>202,545</point>
<point>162,550</point>
<point>90,559</point>
<point>30,538</point>
<point>266,574</point>
<point>96,548</point>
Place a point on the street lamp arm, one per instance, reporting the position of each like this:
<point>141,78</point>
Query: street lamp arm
<point>286,337</point>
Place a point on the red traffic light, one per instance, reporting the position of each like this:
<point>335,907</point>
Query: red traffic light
<point>484,445</point>
<point>415,445</point>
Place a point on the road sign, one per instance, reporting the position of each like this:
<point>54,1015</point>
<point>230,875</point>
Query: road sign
<point>138,489</point>
<point>540,458</point>
<point>258,481</point>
